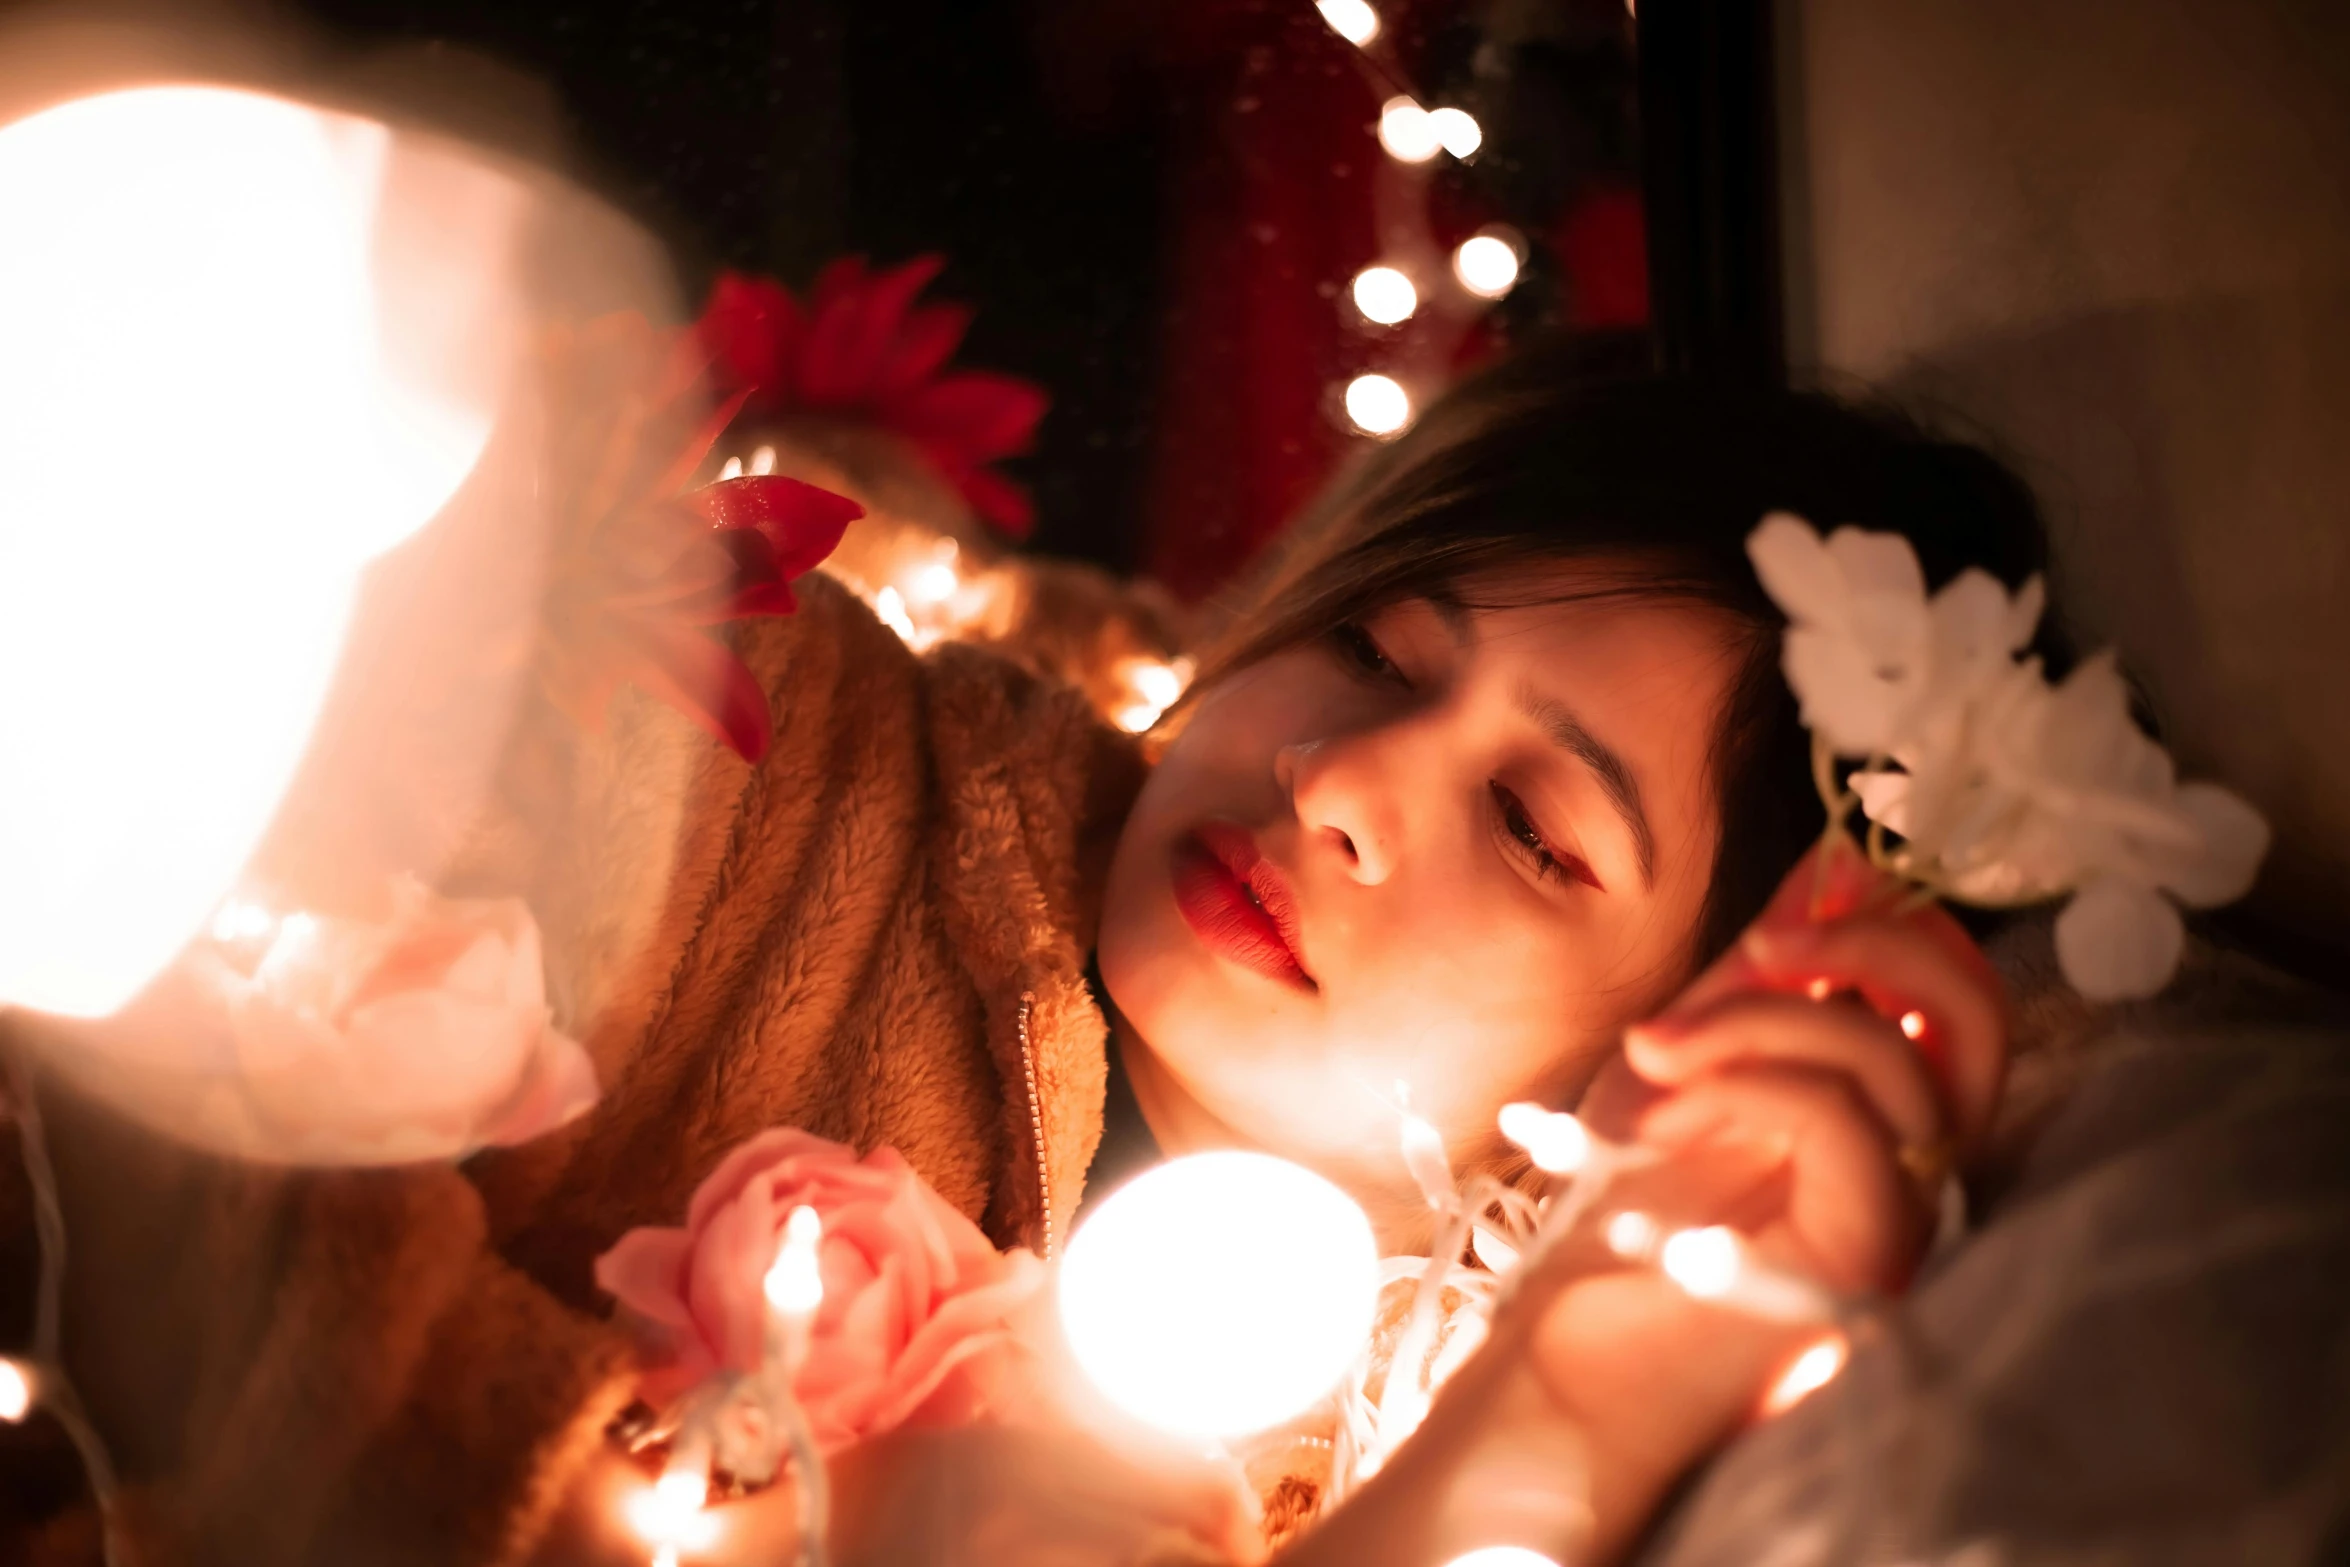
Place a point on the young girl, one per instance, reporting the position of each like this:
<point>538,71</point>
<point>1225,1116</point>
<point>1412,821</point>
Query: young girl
<point>1499,766</point>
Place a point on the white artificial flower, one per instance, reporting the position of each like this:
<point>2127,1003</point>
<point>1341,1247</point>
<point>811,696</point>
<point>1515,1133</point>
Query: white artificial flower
<point>1876,664</point>
<point>2004,790</point>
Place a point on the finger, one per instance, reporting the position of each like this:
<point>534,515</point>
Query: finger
<point>1946,997</point>
<point>1762,1027</point>
<point>1832,881</point>
<point>1855,1215</point>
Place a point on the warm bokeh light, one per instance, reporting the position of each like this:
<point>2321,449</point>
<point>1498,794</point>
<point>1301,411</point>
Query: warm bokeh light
<point>1457,131</point>
<point>1806,1374</point>
<point>1553,1139</point>
<point>1631,1235</point>
<point>1385,295</point>
<point>228,378</point>
<point>1352,20</point>
<point>932,584</point>
<point>1704,1262</point>
<point>1487,265</point>
<point>1407,132</point>
<point>1913,1025</point>
<point>670,1514</point>
<point>1220,1293</point>
<point>1503,1556</point>
<point>1377,405</point>
<point>16,1391</point>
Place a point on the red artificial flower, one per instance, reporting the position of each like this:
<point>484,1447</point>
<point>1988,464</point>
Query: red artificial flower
<point>641,566</point>
<point>861,348</point>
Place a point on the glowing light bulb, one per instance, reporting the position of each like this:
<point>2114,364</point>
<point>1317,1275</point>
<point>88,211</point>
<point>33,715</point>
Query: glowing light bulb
<point>795,1285</point>
<point>1406,132</point>
<point>286,304</point>
<point>1377,405</point>
<point>1385,295</point>
<point>1456,131</point>
<point>889,605</point>
<point>670,1514</point>
<point>16,1391</point>
<point>763,462</point>
<point>1487,265</point>
<point>1913,1025</point>
<point>237,920</point>
<point>731,469</point>
<point>932,584</point>
<point>1352,20</point>
<point>1424,1157</point>
<point>1157,683</point>
<point>1631,1235</point>
<point>1554,1140</point>
<point>1705,1263</point>
<point>1503,1556</point>
<point>1220,1293</point>
<point>1810,1371</point>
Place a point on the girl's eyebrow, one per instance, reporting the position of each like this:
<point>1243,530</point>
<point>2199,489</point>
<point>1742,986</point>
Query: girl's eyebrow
<point>1564,730</point>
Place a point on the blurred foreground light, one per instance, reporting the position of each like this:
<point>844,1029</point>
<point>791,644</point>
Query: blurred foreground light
<point>1631,1235</point>
<point>1487,265</point>
<point>1385,295</point>
<point>1352,20</point>
<point>1705,1263</point>
<point>670,1514</point>
<point>1810,1371</point>
<point>1221,1293</point>
<point>1377,405</point>
<point>16,1391</point>
<point>1407,132</point>
<point>1457,131</point>
<point>1503,1556</point>
<point>1553,1139</point>
<point>231,287</point>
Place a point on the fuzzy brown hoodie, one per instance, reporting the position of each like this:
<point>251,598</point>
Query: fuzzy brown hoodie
<point>878,934</point>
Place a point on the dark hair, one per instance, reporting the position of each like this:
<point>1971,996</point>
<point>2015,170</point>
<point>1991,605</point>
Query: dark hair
<point>1658,480</point>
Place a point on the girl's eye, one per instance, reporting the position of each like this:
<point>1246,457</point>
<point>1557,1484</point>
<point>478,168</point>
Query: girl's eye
<point>1362,650</point>
<point>1522,835</point>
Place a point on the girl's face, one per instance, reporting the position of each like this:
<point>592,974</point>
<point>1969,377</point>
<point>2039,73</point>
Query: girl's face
<point>1442,854</point>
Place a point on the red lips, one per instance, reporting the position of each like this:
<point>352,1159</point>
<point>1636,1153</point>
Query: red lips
<point>1238,904</point>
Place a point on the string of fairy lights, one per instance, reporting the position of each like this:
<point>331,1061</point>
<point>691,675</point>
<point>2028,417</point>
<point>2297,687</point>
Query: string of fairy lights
<point>1386,293</point>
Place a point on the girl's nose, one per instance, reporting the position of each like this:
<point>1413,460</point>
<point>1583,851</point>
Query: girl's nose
<point>1344,801</point>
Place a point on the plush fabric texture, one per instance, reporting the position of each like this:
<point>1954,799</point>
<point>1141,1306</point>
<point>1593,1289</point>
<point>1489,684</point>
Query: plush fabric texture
<point>879,934</point>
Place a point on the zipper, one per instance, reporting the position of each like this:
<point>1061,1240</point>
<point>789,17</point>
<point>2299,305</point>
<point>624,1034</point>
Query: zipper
<point>1044,1177</point>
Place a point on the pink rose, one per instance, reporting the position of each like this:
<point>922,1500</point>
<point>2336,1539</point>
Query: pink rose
<point>425,1035</point>
<point>916,1324</point>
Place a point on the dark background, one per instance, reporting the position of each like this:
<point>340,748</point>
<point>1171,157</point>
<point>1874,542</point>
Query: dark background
<point>1098,173</point>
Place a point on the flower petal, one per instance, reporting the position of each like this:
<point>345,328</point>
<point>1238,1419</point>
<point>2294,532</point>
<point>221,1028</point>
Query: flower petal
<point>706,681</point>
<point>2234,838</point>
<point>1002,504</point>
<point>1877,563</point>
<point>2118,940</point>
<point>559,1087</point>
<point>645,1271</point>
<point>802,521</point>
<point>1794,568</point>
<point>972,416</point>
<point>752,327</point>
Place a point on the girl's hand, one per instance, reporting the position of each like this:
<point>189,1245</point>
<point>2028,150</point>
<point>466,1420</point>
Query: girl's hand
<point>1849,1051</point>
<point>1811,1089</point>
